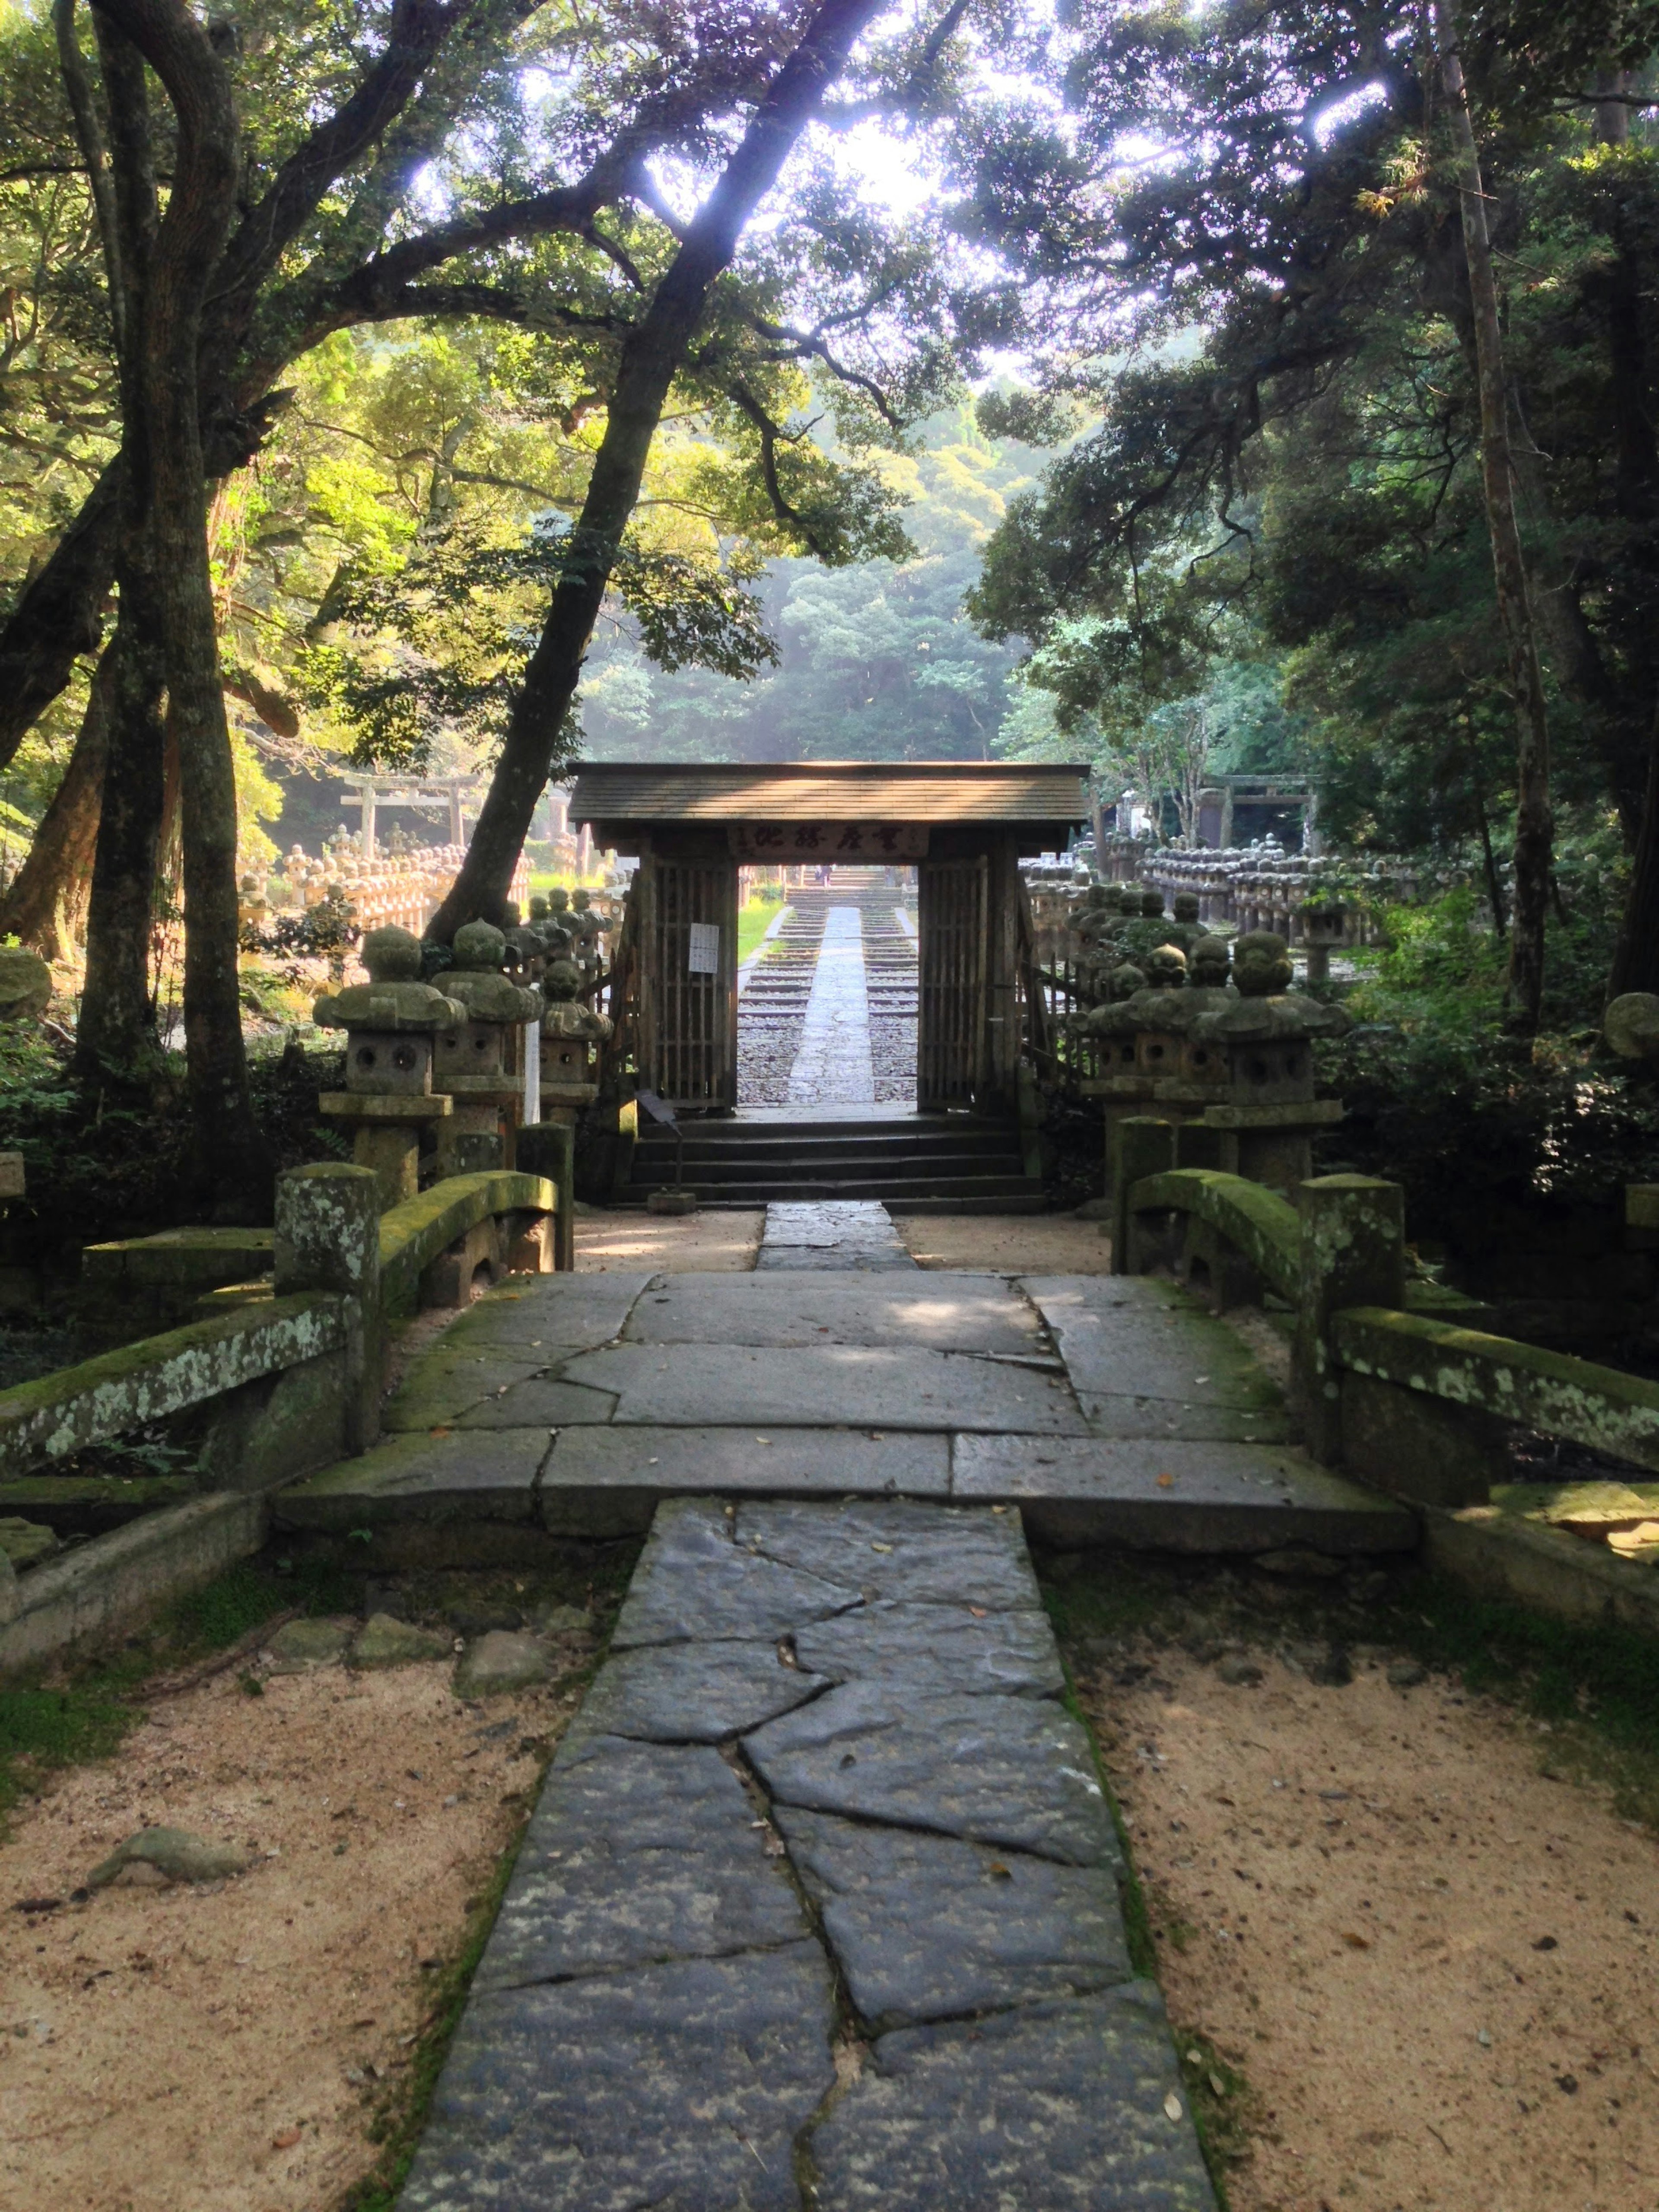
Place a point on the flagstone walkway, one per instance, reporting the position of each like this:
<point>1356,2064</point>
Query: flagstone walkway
<point>820,1903</point>
<point>819,1907</point>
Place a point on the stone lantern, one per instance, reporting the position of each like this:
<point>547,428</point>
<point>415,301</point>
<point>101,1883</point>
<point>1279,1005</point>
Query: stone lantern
<point>390,1022</point>
<point>572,1034</point>
<point>1324,929</point>
<point>476,1060</point>
<point>1263,1042</point>
<point>1148,1059</point>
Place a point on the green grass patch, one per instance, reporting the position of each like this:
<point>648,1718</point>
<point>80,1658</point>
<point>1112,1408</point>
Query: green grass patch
<point>753,922</point>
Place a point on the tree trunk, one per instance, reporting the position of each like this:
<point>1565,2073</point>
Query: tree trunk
<point>652,356</point>
<point>59,615</point>
<point>46,907</point>
<point>116,1042</point>
<point>232,1151</point>
<point>1534,824</point>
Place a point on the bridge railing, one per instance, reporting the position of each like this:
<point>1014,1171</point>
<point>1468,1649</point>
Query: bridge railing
<point>289,1374</point>
<point>1385,1378</point>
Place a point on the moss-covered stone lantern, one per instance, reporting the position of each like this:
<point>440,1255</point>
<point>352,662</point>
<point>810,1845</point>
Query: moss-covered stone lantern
<point>1264,1043</point>
<point>477,1057</point>
<point>572,1034</point>
<point>391,1024</point>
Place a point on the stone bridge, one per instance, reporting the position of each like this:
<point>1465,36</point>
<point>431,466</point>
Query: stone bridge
<point>821,1903</point>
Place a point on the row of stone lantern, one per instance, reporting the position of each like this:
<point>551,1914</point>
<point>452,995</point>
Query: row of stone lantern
<point>1175,1038</point>
<point>446,1053</point>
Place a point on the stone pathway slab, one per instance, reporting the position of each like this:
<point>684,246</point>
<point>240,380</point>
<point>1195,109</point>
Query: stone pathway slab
<point>929,1928</point>
<point>1123,1336</point>
<point>832,1062</point>
<point>487,1476</point>
<point>897,1550</point>
<point>839,1233</point>
<point>452,1379</point>
<point>697,1692</point>
<point>1012,1771</point>
<point>683,2086</point>
<point>1050,2108</point>
<point>550,1312</point>
<point>970,1650</point>
<point>637,1853</point>
<point>741,1386</point>
<point>648,2001</point>
<point>609,1481</point>
<point>693,1584</point>
<point>1178,1496</point>
<point>540,1401</point>
<point>945,1313</point>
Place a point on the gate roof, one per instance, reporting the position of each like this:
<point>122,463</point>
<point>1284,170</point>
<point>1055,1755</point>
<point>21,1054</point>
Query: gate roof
<point>1043,799</point>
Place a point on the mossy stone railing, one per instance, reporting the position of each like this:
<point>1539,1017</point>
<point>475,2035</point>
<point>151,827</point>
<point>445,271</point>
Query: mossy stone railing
<point>1405,1396</point>
<point>341,1271</point>
<point>1551,1392</point>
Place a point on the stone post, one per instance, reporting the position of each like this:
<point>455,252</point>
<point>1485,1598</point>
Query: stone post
<point>1141,1145</point>
<point>549,1149</point>
<point>328,1238</point>
<point>1353,1254</point>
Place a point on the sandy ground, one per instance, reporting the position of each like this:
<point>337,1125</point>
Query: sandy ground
<point>1007,1244</point>
<point>629,1242</point>
<point>1434,1965</point>
<point>225,2048</point>
<point>626,1241</point>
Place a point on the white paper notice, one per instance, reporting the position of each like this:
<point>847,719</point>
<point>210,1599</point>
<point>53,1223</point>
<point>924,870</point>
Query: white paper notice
<point>704,957</point>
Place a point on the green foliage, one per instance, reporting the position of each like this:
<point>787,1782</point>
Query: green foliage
<point>40,1730</point>
<point>874,659</point>
<point>101,1167</point>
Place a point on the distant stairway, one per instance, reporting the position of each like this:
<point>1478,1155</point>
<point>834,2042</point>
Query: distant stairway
<point>925,1163</point>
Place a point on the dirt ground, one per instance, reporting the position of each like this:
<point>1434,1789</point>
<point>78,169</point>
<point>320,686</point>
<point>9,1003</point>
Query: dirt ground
<point>626,1241</point>
<point>227,2048</point>
<point>1007,1244</point>
<point>1432,1962</point>
<point>630,1241</point>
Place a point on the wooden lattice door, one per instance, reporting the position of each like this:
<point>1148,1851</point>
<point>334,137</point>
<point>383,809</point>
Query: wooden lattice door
<point>952,956</point>
<point>688,982</point>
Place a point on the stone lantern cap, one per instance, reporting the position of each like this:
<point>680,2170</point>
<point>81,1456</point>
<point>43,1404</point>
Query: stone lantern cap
<point>477,983</point>
<point>394,999</point>
<point>1266,1011</point>
<point>565,1015</point>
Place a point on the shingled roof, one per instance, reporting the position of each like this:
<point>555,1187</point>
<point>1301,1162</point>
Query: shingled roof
<point>644,793</point>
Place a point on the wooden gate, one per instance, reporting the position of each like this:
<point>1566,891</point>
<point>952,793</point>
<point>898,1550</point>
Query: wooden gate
<point>688,1018</point>
<point>952,955</point>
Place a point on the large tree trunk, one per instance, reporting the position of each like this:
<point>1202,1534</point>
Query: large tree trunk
<point>1534,823</point>
<point>652,357</point>
<point>232,1151</point>
<point>115,1043</point>
<point>59,615</point>
<point>45,906</point>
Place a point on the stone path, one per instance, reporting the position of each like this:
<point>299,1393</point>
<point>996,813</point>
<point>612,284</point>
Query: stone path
<point>827,1014</point>
<point>1106,1408</point>
<point>827,1234</point>
<point>819,1907</point>
<point>832,1063</point>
